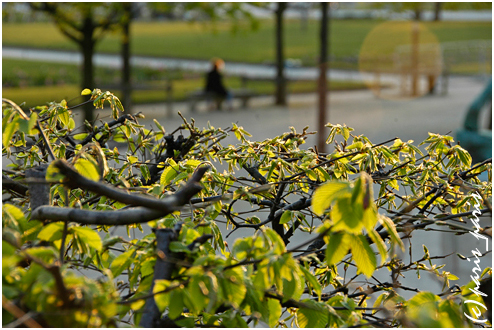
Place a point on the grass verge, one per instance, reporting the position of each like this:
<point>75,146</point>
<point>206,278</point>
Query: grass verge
<point>206,40</point>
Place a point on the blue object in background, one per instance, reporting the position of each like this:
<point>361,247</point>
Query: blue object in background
<point>478,142</point>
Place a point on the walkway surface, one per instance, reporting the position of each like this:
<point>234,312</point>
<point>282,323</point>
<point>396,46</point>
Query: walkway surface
<point>378,119</point>
<point>250,70</point>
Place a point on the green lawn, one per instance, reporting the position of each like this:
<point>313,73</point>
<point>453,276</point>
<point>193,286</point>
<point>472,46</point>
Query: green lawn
<point>203,41</point>
<point>200,41</point>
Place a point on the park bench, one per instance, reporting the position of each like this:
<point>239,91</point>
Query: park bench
<point>243,94</point>
<point>200,95</point>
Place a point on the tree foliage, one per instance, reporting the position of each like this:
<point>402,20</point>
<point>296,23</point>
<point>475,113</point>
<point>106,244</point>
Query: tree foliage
<point>351,209</point>
<point>212,12</point>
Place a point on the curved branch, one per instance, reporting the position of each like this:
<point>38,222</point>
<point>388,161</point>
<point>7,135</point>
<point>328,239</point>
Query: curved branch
<point>254,172</point>
<point>154,208</point>
<point>75,180</point>
<point>105,218</point>
<point>9,184</point>
<point>119,120</point>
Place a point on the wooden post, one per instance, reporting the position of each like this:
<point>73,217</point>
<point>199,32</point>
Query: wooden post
<point>243,81</point>
<point>39,190</point>
<point>280,76</point>
<point>126,70</point>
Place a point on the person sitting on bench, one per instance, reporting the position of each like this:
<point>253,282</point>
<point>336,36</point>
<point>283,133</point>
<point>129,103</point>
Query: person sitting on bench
<point>214,82</point>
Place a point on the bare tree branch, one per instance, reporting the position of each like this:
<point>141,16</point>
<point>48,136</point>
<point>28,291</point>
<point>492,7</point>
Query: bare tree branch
<point>154,208</point>
<point>18,313</point>
<point>9,184</point>
<point>59,18</point>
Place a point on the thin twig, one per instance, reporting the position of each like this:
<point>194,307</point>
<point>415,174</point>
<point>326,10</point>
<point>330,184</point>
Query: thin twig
<point>19,314</point>
<point>47,143</point>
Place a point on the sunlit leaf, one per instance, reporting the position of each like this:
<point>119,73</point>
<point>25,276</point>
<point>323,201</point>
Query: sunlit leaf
<point>337,248</point>
<point>363,255</point>
<point>316,316</point>
<point>169,173</point>
<point>347,216</point>
<point>8,132</point>
<point>286,217</point>
<point>89,236</point>
<point>274,308</point>
<point>381,246</point>
<point>121,262</point>
<point>53,173</point>
<point>326,194</point>
<point>86,91</point>
<point>87,169</point>
<point>51,232</point>
<point>391,229</point>
<point>163,299</point>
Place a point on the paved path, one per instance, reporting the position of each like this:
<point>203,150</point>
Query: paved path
<point>379,119</point>
<point>250,70</point>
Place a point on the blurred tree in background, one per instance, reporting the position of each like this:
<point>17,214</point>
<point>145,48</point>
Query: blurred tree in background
<point>85,24</point>
<point>417,8</point>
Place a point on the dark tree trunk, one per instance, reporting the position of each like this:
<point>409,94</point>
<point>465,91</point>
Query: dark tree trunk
<point>126,85</point>
<point>162,271</point>
<point>437,11</point>
<point>415,58</point>
<point>417,14</point>
<point>87,49</point>
<point>304,18</point>
<point>322,85</point>
<point>280,77</point>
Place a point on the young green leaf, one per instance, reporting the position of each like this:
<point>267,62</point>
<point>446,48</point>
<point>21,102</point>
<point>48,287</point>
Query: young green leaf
<point>363,255</point>
<point>176,308</point>
<point>169,173</point>
<point>8,133</point>
<point>337,246</point>
<point>53,173</point>
<point>381,246</point>
<point>122,262</point>
<point>89,236</point>
<point>163,299</point>
<point>316,316</point>
<point>312,280</point>
<point>326,194</point>
<point>87,169</point>
<point>391,229</point>
<point>347,216</point>
<point>86,91</point>
<point>51,232</point>
<point>286,217</point>
<point>274,308</point>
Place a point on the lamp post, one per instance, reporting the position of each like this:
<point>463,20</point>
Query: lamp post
<point>323,83</point>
